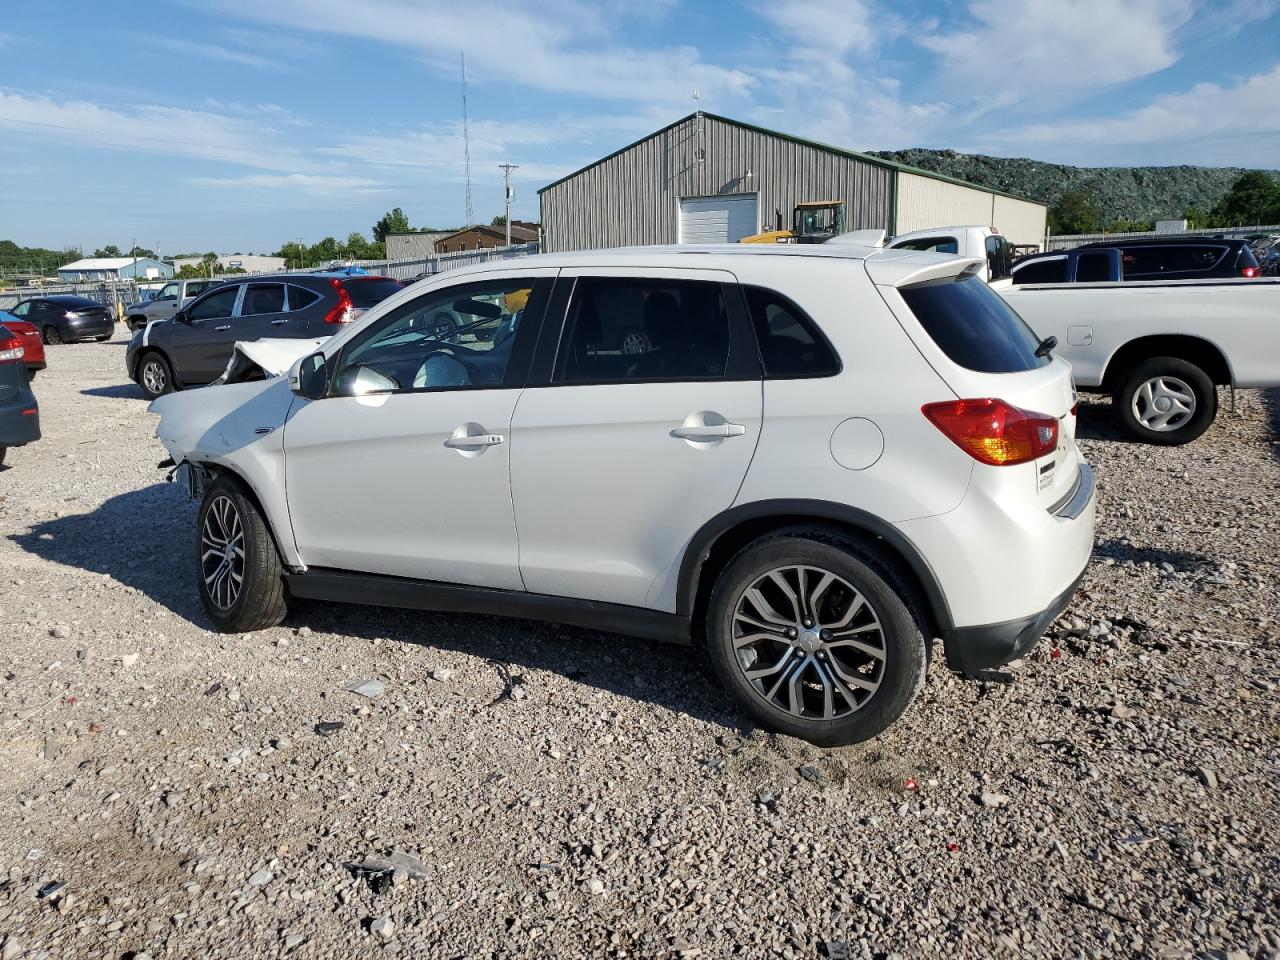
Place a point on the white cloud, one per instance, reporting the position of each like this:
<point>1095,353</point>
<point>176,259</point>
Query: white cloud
<point>209,51</point>
<point>559,46</point>
<point>1209,123</point>
<point>1051,51</point>
<point>310,183</point>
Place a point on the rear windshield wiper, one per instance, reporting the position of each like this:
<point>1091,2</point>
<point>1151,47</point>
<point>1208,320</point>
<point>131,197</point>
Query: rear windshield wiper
<point>1046,346</point>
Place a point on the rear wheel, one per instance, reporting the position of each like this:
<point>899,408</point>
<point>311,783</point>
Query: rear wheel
<point>51,335</point>
<point>814,637</point>
<point>1166,401</point>
<point>154,376</point>
<point>241,578</point>
<point>3,451</point>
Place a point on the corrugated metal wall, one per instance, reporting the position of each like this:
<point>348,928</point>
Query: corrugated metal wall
<point>1021,221</point>
<point>924,202</point>
<point>634,197</point>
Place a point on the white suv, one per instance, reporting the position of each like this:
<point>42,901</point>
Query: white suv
<point>824,456</point>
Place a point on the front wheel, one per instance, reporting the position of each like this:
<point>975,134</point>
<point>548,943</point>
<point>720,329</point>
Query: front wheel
<point>1166,401</point>
<point>813,635</point>
<point>154,376</point>
<point>241,578</point>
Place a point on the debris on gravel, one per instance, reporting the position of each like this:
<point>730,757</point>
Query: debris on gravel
<point>524,789</point>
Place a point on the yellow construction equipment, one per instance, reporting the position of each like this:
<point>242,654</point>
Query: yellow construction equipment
<point>813,221</point>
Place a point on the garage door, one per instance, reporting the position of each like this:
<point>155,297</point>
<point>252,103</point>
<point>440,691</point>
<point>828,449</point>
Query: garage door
<point>718,219</point>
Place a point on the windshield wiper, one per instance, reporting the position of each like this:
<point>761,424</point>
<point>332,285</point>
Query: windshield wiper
<point>1046,346</point>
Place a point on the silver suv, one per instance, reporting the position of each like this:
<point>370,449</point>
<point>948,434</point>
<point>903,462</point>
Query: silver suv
<point>166,303</point>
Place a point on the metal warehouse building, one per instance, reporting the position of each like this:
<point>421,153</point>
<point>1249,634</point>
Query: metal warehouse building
<point>709,179</point>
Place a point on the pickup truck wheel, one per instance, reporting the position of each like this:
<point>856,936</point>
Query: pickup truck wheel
<point>813,635</point>
<point>241,579</point>
<point>1166,401</point>
<point>154,375</point>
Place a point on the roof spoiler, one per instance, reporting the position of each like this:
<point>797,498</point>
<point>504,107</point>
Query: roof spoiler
<point>902,271</point>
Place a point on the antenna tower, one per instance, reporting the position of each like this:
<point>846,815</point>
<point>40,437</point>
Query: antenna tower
<point>466,140</point>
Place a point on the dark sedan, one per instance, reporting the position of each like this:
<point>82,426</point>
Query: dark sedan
<point>19,415</point>
<point>193,347</point>
<point>66,318</point>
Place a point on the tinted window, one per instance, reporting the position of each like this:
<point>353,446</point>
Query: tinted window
<point>1142,263</point>
<point>300,297</point>
<point>790,344</point>
<point>1041,271</point>
<point>624,329</point>
<point>973,325</point>
<point>365,293</point>
<point>998,257</point>
<point>263,298</point>
<point>22,309</point>
<point>197,287</point>
<point>215,306</point>
<point>447,339</point>
<point>930,245</point>
<point>1192,258</point>
<point>1093,268</point>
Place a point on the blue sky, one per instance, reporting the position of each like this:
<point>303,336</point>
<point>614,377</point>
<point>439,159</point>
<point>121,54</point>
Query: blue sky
<point>239,124</point>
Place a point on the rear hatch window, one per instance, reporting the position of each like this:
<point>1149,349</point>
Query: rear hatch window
<point>366,291</point>
<point>973,325</point>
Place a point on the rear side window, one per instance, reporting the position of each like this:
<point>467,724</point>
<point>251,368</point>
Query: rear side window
<point>973,325</point>
<point>1192,258</point>
<point>1143,263</point>
<point>1042,271</point>
<point>365,293</point>
<point>621,330</point>
<point>790,343</point>
<point>262,298</point>
<point>929,245</point>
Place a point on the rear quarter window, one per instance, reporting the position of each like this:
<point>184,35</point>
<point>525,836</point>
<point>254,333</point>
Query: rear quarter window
<point>1041,271</point>
<point>973,325</point>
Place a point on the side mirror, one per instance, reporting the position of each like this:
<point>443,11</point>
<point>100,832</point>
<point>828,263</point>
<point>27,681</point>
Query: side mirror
<point>181,317</point>
<point>309,377</point>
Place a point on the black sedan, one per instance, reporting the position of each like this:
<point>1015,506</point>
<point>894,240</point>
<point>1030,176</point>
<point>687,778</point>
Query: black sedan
<point>19,415</point>
<point>66,318</point>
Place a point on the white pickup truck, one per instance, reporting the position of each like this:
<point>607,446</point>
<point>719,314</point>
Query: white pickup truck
<point>985,243</point>
<point>1160,349</point>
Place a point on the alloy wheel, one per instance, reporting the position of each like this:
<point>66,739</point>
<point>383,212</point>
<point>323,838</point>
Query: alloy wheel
<point>222,552</point>
<point>154,376</point>
<point>51,335</point>
<point>635,343</point>
<point>809,642</point>
<point>1164,403</point>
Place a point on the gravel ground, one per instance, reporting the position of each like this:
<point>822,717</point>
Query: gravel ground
<point>528,790</point>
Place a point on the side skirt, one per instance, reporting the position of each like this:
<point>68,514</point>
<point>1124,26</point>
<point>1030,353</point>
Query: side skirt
<point>341,586</point>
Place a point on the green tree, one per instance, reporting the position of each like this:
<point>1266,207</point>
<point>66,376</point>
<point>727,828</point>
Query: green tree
<point>1074,213</point>
<point>326,249</point>
<point>110,250</point>
<point>1254,198</point>
<point>295,254</point>
<point>1196,218</point>
<point>499,221</point>
<point>394,221</point>
<point>141,252</point>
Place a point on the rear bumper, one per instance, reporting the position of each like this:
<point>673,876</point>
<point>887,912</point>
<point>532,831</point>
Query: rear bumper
<point>88,329</point>
<point>971,649</point>
<point>17,428</point>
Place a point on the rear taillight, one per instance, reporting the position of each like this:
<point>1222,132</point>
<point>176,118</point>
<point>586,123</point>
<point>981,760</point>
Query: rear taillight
<point>994,432</point>
<point>344,310</point>
<point>11,349</point>
<point>1249,272</point>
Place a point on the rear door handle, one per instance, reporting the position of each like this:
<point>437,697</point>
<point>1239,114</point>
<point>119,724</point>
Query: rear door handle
<point>474,443</point>
<point>717,432</point>
<point>278,323</point>
<point>223,327</point>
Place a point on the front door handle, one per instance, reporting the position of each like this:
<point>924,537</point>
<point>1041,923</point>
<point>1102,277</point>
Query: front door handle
<point>474,442</point>
<point>225,326</point>
<point>278,323</point>
<point>712,432</point>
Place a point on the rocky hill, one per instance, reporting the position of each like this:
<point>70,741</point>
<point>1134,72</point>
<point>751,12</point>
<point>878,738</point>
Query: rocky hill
<point>1129,193</point>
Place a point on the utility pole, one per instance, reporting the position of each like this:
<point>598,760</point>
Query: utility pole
<point>466,140</point>
<point>506,169</point>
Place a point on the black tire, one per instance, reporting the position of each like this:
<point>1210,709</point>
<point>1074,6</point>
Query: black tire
<point>900,666</point>
<point>52,334</point>
<point>154,375</point>
<point>103,339</point>
<point>136,323</point>
<point>1179,378</point>
<point>259,600</point>
<point>3,451</point>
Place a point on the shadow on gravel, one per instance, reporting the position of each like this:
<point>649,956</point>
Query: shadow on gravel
<point>1095,420</point>
<point>127,391</point>
<point>1181,560</point>
<point>1271,409</point>
<point>143,539</point>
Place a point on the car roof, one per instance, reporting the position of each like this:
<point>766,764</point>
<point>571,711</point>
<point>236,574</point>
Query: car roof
<point>66,298</point>
<point>1198,241</point>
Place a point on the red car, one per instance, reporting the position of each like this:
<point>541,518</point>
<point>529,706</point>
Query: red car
<point>32,344</point>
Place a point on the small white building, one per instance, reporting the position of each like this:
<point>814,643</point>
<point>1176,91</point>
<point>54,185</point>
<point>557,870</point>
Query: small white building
<point>248,262</point>
<point>115,268</point>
